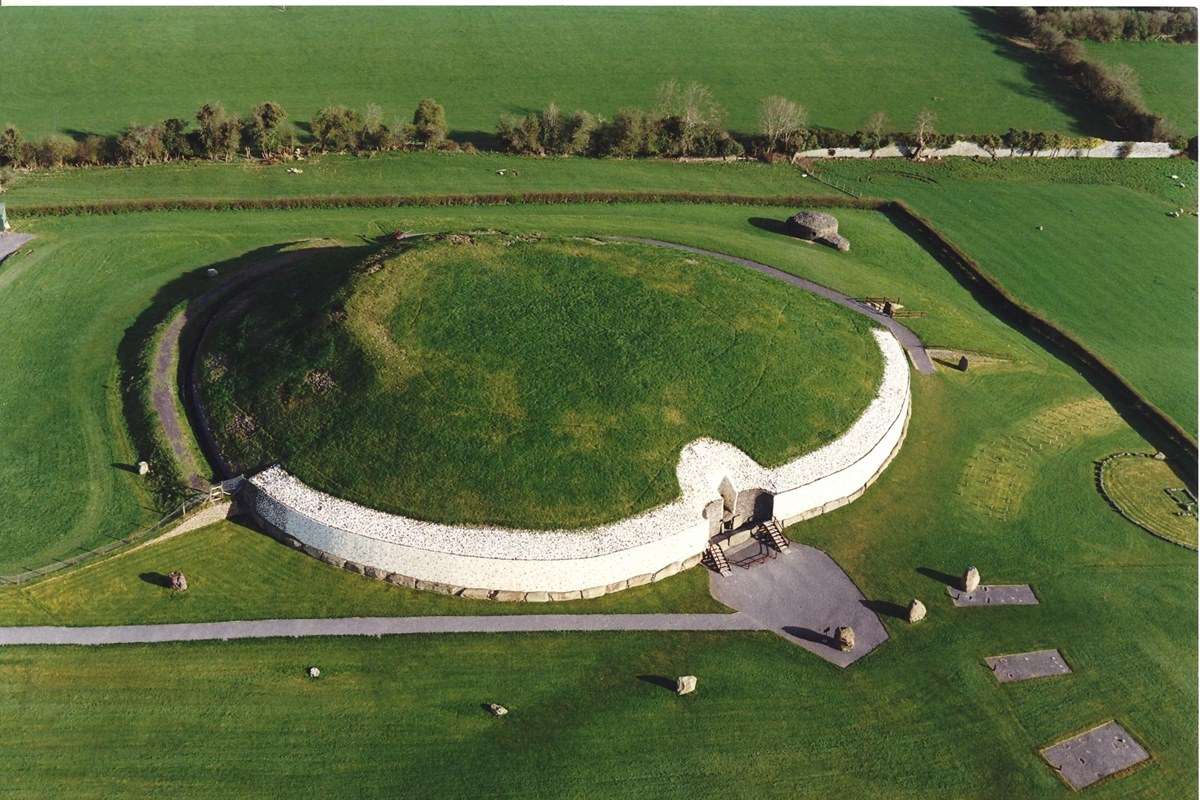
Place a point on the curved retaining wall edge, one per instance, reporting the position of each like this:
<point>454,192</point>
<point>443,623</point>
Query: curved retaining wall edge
<point>508,564</point>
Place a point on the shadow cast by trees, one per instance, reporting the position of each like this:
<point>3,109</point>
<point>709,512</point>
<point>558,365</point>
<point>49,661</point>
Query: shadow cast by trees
<point>1043,82</point>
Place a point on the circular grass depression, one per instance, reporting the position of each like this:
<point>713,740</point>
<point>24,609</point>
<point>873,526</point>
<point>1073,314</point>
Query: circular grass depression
<point>521,382</point>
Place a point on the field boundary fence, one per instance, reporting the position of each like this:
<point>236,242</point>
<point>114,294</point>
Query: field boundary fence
<point>190,506</point>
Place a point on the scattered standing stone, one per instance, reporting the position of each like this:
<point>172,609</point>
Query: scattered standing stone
<point>212,273</point>
<point>314,672</point>
<point>496,710</point>
<point>1041,227</point>
<point>845,638</point>
<point>963,364</point>
<point>916,611</point>
<point>143,468</point>
<point>685,684</point>
<point>178,581</point>
<point>1160,456</point>
<point>970,580</point>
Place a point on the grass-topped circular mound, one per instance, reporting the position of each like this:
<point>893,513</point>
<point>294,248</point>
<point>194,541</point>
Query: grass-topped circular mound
<point>537,383</point>
<point>1150,494</point>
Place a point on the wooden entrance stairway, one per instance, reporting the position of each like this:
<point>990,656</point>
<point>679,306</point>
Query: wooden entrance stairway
<point>714,559</point>
<point>772,531</point>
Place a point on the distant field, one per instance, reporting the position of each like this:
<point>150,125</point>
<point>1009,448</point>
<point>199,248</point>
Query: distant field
<point>1107,262</point>
<point>97,70</point>
<point>1166,72</point>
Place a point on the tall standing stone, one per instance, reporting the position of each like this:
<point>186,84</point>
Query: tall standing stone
<point>844,636</point>
<point>685,684</point>
<point>970,580</point>
<point>916,611</point>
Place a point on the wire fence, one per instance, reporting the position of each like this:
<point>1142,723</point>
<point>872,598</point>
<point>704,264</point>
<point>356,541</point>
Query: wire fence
<point>193,504</point>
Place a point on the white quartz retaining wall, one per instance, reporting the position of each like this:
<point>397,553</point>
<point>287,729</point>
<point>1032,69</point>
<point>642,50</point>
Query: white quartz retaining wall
<point>515,564</point>
<point>969,149</point>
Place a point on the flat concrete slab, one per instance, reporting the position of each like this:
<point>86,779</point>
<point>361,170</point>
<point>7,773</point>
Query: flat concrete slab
<point>1095,754</point>
<point>803,596</point>
<point>1026,666</point>
<point>11,243</point>
<point>999,595</point>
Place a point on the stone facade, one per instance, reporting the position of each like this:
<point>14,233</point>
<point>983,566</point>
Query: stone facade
<point>538,566</point>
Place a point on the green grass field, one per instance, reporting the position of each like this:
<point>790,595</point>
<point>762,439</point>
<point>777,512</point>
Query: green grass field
<point>403,174</point>
<point>64,449</point>
<point>235,572</point>
<point>96,71</point>
<point>1166,73</point>
<point>921,717</point>
<point>542,383</point>
<point>1109,265</point>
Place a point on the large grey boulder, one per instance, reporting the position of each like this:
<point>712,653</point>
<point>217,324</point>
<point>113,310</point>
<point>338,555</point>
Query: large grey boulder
<point>817,226</point>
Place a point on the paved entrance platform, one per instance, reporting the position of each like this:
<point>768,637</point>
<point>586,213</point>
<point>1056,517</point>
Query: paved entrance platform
<point>803,596</point>
<point>1092,755</point>
<point>11,243</point>
<point>1026,666</point>
<point>998,595</point>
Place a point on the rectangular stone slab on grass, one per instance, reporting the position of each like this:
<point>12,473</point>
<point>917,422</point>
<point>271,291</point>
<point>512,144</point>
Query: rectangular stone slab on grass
<point>1026,666</point>
<point>998,595</point>
<point>1092,755</point>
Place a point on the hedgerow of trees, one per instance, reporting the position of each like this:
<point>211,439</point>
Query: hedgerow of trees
<point>1114,90</point>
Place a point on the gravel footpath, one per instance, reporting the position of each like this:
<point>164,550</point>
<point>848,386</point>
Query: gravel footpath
<point>371,626</point>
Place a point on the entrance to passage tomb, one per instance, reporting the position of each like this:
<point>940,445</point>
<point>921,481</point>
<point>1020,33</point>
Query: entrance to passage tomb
<point>742,529</point>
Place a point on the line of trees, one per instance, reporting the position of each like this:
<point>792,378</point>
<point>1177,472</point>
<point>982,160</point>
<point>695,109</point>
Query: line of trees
<point>220,135</point>
<point>1114,90</point>
<point>1127,24</point>
<point>686,121</point>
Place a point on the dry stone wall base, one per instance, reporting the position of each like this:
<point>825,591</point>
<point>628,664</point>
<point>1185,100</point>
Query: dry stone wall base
<point>972,150</point>
<point>538,566</point>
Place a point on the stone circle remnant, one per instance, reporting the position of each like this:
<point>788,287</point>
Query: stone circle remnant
<point>916,611</point>
<point>963,364</point>
<point>177,581</point>
<point>844,636</point>
<point>496,710</point>
<point>970,580</point>
<point>313,672</point>
<point>817,226</point>
<point>685,684</point>
<point>143,468</point>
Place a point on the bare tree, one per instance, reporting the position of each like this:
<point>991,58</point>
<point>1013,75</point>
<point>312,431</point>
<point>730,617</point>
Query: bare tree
<point>873,131</point>
<point>692,107</point>
<point>924,127</point>
<point>781,121</point>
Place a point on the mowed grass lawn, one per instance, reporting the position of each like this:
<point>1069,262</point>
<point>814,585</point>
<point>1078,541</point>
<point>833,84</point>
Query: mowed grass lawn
<point>921,717</point>
<point>1108,264</point>
<point>526,383</point>
<point>98,70</point>
<point>1166,73</point>
<point>404,174</point>
<point>63,449</point>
